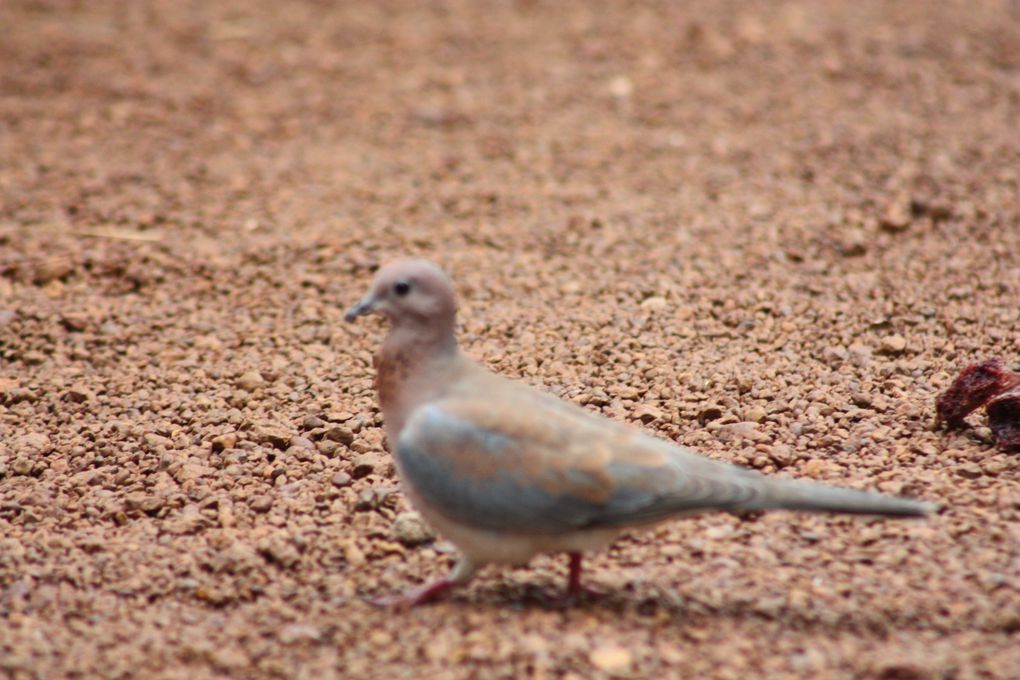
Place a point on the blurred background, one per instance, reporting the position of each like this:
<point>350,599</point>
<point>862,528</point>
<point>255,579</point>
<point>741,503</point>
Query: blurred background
<point>524,125</point>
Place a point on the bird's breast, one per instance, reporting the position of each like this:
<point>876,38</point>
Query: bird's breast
<point>405,379</point>
<point>393,371</point>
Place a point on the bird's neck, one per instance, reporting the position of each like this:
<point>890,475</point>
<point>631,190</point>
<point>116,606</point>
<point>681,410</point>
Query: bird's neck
<point>411,369</point>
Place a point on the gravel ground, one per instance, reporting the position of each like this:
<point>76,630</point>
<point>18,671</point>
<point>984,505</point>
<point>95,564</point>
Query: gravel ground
<point>772,232</point>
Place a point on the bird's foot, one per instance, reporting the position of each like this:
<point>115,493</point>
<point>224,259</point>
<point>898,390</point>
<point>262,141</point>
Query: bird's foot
<point>429,592</point>
<point>572,595</point>
<point>580,592</point>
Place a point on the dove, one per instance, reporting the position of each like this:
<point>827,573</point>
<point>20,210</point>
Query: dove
<point>505,471</point>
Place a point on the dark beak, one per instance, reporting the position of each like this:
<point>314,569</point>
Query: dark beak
<point>366,306</point>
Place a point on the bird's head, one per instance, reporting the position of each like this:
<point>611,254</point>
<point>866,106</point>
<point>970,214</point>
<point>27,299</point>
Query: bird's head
<point>410,293</point>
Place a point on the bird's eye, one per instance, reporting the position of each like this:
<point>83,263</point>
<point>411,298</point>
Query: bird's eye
<point>402,288</point>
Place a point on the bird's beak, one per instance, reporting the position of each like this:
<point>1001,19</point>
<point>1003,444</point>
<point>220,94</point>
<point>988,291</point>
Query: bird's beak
<point>366,306</point>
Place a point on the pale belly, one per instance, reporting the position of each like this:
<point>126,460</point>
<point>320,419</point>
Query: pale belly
<point>482,546</point>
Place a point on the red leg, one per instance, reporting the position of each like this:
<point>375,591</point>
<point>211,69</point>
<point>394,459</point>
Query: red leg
<point>574,587</point>
<point>429,592</point>
<point>574,578</point>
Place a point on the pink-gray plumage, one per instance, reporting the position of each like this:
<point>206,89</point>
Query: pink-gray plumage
<point>505,471</point>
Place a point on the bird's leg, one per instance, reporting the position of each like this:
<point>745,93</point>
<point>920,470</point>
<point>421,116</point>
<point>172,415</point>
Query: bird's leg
<point>429,592</point>
<point>574,587</point>
<point>574,577</point>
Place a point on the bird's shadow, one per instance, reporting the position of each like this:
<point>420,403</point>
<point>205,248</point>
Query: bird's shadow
<point>684,609</point>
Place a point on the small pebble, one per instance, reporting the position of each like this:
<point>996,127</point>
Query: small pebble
<point>755,414</point>
<point>33,358</point>
<point>312,423</point>
<point>742,430</point>
<point>21,466</point>
<point>372,498</point>
<point>647,414</point>
<point>611,659</point>
<point>276,437</point>
<point>366,464</point>
<point>410,529</point>
<point>251,381</point>
<point>339,434</point>
<point>224,442</point>
<point>970,471</point>
<point>897,214</point>
<point>261,503</point>
<point>33,443</point>
<point>893,344</point>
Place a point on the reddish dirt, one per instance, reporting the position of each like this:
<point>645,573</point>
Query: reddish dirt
<point>772,232</point>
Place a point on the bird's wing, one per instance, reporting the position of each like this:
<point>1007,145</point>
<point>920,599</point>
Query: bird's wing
<point>525,462</point>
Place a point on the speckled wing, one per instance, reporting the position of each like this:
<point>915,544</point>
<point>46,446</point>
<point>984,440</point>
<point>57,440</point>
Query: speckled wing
<point>530,463</point>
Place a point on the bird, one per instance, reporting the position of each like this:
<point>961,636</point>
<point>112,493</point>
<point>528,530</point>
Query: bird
<point>505,471</point>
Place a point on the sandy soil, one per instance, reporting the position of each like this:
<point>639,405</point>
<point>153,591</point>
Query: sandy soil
<point>770,231</point>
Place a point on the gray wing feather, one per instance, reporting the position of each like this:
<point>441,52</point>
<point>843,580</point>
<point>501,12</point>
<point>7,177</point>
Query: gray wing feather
<point>530,479</point>
<point>497,494</point>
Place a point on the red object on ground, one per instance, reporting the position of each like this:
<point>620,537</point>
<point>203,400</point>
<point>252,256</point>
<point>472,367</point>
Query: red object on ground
<point>973,388</point>
<point>1004,419</point>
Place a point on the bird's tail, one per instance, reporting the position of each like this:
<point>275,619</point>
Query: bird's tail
<point>790,494</point>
